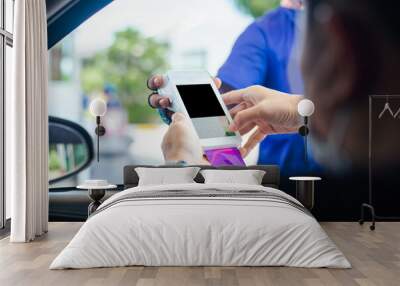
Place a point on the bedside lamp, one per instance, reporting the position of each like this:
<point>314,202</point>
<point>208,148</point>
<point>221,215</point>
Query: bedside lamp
<point>305,184</point>
<point>305,108</point>
<point>98,108</point>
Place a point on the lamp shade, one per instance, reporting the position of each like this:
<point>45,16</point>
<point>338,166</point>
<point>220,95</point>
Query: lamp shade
<point>98,107</point>
<point>305,107</point>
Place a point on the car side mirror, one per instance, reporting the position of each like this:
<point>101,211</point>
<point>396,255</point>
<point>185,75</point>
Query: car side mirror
<point>70,149</point>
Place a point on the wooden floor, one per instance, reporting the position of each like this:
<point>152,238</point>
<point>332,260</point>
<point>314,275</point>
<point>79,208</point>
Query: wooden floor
<point>375,257</point>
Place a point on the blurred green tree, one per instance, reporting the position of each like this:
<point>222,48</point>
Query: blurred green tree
<point>127,64</point>
<point>256,8</point>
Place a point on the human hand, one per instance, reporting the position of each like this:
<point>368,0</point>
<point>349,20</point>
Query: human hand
<point>159,101</point>
<point>181,142</point>
<point>156,100</point>
<point>266,110</point>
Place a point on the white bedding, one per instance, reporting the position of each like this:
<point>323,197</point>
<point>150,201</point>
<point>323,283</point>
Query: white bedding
<point>200,231</point>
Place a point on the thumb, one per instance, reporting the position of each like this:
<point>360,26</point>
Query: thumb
<point>252,142</point>
<point>243,117</point>
<point>177,117</point>
<point>217,82</point>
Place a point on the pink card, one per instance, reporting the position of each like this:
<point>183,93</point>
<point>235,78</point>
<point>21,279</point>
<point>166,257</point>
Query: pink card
<point>225,157</point>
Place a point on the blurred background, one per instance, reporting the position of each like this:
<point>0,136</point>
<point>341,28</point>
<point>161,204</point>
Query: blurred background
<point>112,54</point>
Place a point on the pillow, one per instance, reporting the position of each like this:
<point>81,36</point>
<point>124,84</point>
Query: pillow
<point>166,176</point>
<point>247,177</point>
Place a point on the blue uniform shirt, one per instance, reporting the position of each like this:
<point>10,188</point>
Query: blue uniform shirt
<point>262,56</point>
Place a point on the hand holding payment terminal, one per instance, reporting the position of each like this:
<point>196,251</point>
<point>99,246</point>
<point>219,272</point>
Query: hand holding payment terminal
<point>194,94</point>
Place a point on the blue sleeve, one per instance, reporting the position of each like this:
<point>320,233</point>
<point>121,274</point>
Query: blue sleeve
<point>247,62</point>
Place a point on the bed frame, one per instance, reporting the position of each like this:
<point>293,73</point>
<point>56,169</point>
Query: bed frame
<point>270,179</point>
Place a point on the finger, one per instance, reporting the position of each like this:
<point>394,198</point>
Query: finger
<point>155,82</point>
<point>243,152</point>
<point>154,100</point>
<point>169,113</point>
<point>243,117</point>
<point>164,102</point>
<point>217,82</point>
<point>252,142</point>
<point>237,108</point>
<point>247,128</point>
<point>233,97</point>
<point>266,128</point>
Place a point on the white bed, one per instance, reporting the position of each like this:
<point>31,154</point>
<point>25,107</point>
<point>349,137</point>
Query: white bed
<point>183,230</point>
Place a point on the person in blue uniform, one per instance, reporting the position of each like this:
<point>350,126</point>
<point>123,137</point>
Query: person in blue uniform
<point>264,55</point>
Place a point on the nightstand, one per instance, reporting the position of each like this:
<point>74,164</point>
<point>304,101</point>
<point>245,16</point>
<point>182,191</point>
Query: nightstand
<point>305,190</point>
<point>96,193</point>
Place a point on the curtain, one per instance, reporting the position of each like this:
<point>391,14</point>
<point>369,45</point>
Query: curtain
<point>27,123</point>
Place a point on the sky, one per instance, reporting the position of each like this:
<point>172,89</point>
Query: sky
<point>209,25</point>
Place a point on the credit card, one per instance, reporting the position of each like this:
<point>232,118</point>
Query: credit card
<point>225,157</point>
